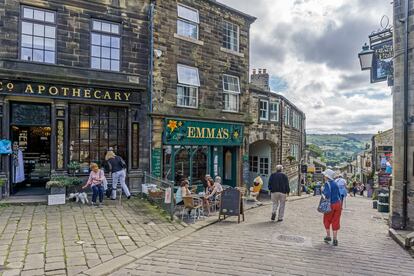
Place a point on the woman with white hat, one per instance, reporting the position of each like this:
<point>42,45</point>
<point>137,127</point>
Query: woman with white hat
<point>333,218</point>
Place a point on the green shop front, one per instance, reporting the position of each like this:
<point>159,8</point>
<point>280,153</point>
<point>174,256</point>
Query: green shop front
<point>192,149</point>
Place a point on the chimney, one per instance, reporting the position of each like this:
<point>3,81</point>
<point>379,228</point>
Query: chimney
<point>260,79</point>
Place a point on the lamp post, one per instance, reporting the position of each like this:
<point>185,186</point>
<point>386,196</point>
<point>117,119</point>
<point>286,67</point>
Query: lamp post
<point>366,57</point>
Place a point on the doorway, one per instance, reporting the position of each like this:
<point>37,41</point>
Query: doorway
<point>230,166</point>
<point>31,139</point>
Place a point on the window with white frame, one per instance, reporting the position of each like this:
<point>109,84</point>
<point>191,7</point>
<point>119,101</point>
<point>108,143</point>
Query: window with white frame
<point>296,120</point>
<point>187,22</point>
<point>38,35</point>
<point>287,115</point>
<point>230,36</point>
<point>264,109</point>
<point>294,151</point>
<point>187,87</point>
<point>231,93</point>
<point>274,111</point>
<point>105,45</point>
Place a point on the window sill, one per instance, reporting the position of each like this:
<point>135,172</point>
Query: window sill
<point>188,39</point>
<point>231,52</point>
<point>231,111</point>
<point>189,107</point>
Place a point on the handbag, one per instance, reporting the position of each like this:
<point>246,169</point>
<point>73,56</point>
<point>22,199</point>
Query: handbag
<point>325,204</point>
<point>5,147</point>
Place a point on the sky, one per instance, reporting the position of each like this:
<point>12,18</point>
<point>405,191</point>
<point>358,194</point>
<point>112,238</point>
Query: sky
<point>310,48</point>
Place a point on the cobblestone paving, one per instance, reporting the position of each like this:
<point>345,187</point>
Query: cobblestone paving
<point>291,247</point>
<point>67,239</point>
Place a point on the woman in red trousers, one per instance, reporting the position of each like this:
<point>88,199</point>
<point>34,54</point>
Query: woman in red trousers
<point>333,218</point>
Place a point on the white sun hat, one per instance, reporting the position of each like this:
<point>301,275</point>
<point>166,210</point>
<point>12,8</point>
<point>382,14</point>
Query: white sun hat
<point>329,174</point>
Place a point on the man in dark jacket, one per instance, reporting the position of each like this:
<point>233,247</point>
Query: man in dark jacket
<point>279,188</point>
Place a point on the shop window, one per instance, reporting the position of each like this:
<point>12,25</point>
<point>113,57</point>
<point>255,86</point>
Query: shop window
<point>264,110</point>
<point>187,87</point>
<point>38,35</point>
<point>228,165</point>
<point>274,111</point>
<point>182,165</point>
<point>230,36</point>
<point>187,22</point>
<point>93,129</point>
<point>199,165</point>
<point>264,165</point>
<point>231,92</point>
<point>135,146</point>
<point>105,45</point>
<point>22,114</point>
<point>253,162</point>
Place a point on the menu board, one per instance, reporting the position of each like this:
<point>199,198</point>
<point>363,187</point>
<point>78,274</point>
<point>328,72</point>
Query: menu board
<point>156,162</point>
<point>231,204</point>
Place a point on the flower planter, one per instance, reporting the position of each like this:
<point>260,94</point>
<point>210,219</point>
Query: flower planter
<point>57,190</point>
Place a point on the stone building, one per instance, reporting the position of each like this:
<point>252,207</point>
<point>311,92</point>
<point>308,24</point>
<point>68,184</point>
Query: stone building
<point>199,100</point>
<point>402,203</point>
<point>381,145</point>
<point>277,132</point>
<point>73,82</point>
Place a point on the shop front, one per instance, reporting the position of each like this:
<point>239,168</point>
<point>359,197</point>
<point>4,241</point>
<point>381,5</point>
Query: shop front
<point>53,125</point>
<point>192,149</point>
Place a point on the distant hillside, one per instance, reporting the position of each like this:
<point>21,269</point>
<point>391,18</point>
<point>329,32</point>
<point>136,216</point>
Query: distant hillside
<point>339,148</point>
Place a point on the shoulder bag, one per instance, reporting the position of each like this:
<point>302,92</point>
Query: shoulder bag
<point>325,203</point>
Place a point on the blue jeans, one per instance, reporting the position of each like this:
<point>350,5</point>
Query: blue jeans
<point>97,190</point>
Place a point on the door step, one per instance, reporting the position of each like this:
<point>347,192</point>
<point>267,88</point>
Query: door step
<point>22,200</point>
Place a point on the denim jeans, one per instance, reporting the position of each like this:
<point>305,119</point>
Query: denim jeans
<point>97,190</point>
<point>119,176</point>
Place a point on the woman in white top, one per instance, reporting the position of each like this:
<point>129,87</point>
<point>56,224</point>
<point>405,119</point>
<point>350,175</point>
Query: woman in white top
<point>217,188</point>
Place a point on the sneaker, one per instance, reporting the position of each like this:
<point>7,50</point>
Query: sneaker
<point>335,243</point>
<point>280,220</point>
<point>273,216</point>
<point>327,239</point>
<point>128,197</point>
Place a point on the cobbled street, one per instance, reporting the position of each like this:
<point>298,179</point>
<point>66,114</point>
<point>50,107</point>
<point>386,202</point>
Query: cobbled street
<point>69,239</point>
<point>292,247</point>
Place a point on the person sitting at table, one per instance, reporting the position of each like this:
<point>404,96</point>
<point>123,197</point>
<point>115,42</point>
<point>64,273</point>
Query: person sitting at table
<point>208,192</point>
<point>217,190</point>
<point>182,191</point>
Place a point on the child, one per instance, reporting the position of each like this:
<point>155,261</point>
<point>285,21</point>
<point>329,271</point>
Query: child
<point>95,180</point>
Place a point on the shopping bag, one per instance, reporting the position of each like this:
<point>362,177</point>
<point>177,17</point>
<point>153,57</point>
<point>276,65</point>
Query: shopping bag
<point>324,205</point>
<point>5,147</point>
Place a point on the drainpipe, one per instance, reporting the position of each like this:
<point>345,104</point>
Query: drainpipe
<point>151,79</point>
<point>406,123</point>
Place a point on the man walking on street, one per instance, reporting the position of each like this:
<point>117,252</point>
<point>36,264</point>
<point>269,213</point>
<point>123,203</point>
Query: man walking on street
<point>279,188</point>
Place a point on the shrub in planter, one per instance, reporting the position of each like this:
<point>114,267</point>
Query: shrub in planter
<point>58,184</point>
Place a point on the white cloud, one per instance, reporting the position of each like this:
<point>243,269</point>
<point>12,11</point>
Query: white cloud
<point>313,45</point>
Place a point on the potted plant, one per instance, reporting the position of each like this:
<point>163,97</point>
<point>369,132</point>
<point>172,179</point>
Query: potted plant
<point>290,158</point>
<point>58,184</point>
<point>73,167</point>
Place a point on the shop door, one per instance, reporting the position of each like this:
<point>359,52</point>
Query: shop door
<point>30,135</point>
<point>229,166</point>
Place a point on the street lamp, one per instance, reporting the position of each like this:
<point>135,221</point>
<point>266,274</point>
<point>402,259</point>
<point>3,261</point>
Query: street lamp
<point>365,57</point>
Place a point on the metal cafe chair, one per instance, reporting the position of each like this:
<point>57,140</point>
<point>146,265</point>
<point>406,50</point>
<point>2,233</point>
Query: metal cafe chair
<point>191,204</point>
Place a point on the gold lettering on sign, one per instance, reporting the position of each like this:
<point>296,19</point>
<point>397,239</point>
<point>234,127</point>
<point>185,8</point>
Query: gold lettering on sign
<point>96,93</point>
<point>200,132</point>
<point>211,132</point>
<point>76,92</point>
<point>191,132</point>
<point>107,96</point>
<point>127,96</point>
<point>41,89</point>
<point>53,90</point>
<point>226,134</point>
<point>29,89</point>
<point>219,135</point>
<point>10,86</point>
<point>65,91</point>
<point>87,93</point>
<point>117,96</point>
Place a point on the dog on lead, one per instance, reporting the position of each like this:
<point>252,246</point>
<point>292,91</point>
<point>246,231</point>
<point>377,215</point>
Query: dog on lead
<point>79,197</point>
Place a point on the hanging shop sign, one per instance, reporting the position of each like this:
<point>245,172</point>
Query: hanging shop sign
<point>20,88</point>
<point>382,66</point>
<point>183,132</point>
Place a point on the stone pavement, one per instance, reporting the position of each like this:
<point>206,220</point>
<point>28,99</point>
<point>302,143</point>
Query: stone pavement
<point>291,247</point>
<point>71,238</point>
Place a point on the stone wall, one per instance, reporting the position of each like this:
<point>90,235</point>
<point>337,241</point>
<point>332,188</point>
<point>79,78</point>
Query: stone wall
<point>396,212</point>
<point>277,133</point>
<point>205,54</point>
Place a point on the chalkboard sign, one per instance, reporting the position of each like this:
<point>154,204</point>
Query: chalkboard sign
<point>156,162</point>
<point>231,204</point>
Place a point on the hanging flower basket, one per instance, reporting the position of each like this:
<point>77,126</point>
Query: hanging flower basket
<point>290,158</point>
